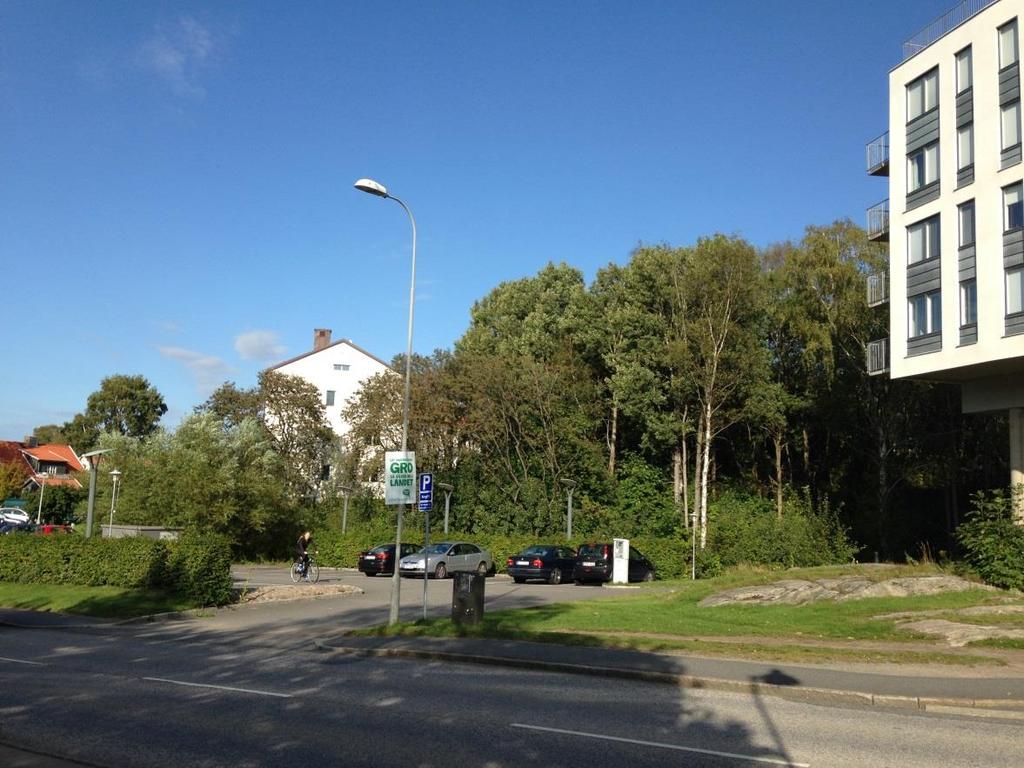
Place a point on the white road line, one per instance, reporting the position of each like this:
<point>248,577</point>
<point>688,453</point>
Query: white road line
<point>662,746</point>
<point>219,687</point>
<point>23,661</point>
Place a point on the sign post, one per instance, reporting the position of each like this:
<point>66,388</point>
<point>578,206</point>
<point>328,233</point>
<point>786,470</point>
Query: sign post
<point>399,482</point>
<point>426,486</point>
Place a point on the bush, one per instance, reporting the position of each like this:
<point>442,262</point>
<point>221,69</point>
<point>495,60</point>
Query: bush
<point>199,569</point>
<point>992,542</point>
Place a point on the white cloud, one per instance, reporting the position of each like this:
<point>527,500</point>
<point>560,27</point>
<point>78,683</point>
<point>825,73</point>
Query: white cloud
<point>178,54</point>
<point>209,372</point>
<point>259,345</point>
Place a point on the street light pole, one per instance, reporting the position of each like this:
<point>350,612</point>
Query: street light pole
<point>42,488</point>
<point>447,488</point>
<point>94,464</point>
<point>115,475</point>
<point>345,490</point>
<point>374,188</point>
<point>570,486</point>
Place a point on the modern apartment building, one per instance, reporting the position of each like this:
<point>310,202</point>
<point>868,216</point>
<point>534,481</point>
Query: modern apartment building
<point>954,218</point>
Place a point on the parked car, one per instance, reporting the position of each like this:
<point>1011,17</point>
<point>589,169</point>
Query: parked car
<point>16,527</point>
<point>13,515</point>
<point>594,562</point>
<point>49,529</point>
<point>447,557</point>
<point>382,559</point>
<point>551,563</point>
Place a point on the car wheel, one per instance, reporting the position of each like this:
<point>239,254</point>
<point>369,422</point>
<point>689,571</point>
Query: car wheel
<point>367,574</point>
<point>556,576</point>
<point>440,571</point>
<point>482,568</point>
<point>518,579</point>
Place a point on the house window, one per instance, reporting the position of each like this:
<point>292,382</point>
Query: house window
<point>966,215</point>
<point>965,146</point>
<point>1014,290</point>
<point>924,313</point>
<point>1008,44</point>
<point>1013,210</point>
<point>968,303</point>
<point>329,400</point>
<point>923,167</point>
<point>923,240</point>
<point>923,95</point>
<point>341,367</point>
<point>963,70</point>
<point>1010,125</point>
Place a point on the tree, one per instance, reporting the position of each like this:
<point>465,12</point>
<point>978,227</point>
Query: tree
<point>12,478</point>
<point>233,405</point>
<point>49,433</point>
<point>125,405</point>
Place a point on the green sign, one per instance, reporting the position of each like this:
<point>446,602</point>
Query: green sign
<point>400,477</point>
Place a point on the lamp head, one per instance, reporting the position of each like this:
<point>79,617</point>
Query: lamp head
<point>371,186</point>
<point>570,484</point>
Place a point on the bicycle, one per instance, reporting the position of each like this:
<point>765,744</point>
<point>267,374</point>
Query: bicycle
<point>311,574</point>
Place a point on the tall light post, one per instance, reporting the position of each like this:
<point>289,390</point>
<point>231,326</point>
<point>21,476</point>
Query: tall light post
<point>447,488</point>
<point>42,488</point>
<point>375,188</point>
<point>346,492</point>
<point>93,457</point>
<point>570,486</point>
<point>115,476</point>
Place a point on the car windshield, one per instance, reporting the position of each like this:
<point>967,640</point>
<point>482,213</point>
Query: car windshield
<point>536,551</point>
<point>592,550</point>
<point>384,548</point>
<point>435,549</point>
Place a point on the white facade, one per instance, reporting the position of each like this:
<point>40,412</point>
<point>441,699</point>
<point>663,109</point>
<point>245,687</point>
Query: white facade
<point>337,370</point>
<point>931,335</point>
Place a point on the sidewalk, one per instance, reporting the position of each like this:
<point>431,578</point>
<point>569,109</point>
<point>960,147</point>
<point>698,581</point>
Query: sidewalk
<point>923,688</point>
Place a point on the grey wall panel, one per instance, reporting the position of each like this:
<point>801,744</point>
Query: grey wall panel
<point>1015,324</point>
<point>966,263</point>
<point>1009,84</point>
<point>922,131</point>
<point>965,176</point>
<point>1009,157</point>
<point>965,108</point>
<point>968,335</point>
<point>924,276</point>
<point>924,344</point>
<point>923,195</point>
<point>1013,249</point>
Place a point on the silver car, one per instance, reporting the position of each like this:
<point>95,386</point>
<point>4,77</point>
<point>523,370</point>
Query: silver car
<point>447,557</point>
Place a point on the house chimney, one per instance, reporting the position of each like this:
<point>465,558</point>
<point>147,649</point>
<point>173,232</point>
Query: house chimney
<point>321,338</point>
<point>31,441</point>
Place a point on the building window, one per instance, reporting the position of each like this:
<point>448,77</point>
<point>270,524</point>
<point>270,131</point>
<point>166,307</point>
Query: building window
<point>966,216</point>
<point>1011,125</point>
<point>1014,290</point>
<point>965,146</point>
<point>329,400</point>
<point>923,240</point>
<point>1008,44</point>
<point>968,303</point>
<point>1013,210</point>
<point>924,313</point>
<point>923,167</point>
<point>923,95</point>
<point>963,70</point>
<point>341,366</point>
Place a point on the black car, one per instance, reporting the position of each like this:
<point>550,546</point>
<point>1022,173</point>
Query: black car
<point>382,559</point>
<point>594,562</point>
<point>551,563</point>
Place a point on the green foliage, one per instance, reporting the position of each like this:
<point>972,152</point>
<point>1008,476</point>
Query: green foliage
<point>643,501</point>
<point>992,542</point>
<point>198,570</point>
<point>125,405</point>
<point>59,503</point>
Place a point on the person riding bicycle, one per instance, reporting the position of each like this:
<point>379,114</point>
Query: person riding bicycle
<point>301,549</point>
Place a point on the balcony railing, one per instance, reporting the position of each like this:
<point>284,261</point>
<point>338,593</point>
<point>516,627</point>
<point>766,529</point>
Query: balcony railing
<point>878,357</point>
<point>943,25</point>
<point>878,221</point>
<point>878,156</point>
<point>878,289</point>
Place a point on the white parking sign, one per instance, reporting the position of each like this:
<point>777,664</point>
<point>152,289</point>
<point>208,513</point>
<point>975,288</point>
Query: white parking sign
<point>399,477</point>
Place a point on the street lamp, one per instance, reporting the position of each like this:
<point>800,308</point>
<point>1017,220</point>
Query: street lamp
<point>42,488</point>
<point>570,486</point>
<point>93,457</point>
<point>447,488</point>
<point>346,492</point>
<point>375,188</point>
<point>114,477</point>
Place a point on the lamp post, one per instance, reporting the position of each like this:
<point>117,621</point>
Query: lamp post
<point>375,188</point>
<point>42,488</point>
<point>114,477</point>
<point>570,486</point>
<point>447,488</point>
<point>346,492</point>
<point>93,458</point>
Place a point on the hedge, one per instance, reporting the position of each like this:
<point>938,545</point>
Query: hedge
<point>197,570</point>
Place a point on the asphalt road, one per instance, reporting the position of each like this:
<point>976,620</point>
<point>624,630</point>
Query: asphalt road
<point>153,696</point>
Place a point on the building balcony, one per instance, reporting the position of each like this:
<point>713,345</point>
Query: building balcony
<point>943,25</point>
<point>878,357</point>
<point>878,289</point>
<point>878,221</point>
<point>878,156</point>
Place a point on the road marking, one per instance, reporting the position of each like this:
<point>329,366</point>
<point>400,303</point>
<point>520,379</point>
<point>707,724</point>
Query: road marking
<point>23,661</point>
<point>219,687</point>
<point>662,745</point>
<point>976,712</point>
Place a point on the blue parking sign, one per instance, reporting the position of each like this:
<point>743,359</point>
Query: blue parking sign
<point>426,492</point>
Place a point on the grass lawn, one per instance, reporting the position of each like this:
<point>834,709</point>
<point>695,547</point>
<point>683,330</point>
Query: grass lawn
<point>100,602</point>
<point>668,617</point>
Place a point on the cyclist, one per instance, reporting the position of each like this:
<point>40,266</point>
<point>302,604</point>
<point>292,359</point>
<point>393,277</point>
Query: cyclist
<point>301,550</point>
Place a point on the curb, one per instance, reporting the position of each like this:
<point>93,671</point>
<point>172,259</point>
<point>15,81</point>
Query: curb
<point>1008,708</point>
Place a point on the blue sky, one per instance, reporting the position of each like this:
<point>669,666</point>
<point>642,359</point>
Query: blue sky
<point>176,178</point>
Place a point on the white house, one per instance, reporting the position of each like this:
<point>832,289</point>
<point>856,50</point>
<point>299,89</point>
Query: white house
<point>953,217</point>
<point>337,370</point>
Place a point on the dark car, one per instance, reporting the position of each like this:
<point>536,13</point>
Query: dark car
<point>551,563</point>
<point>382,559</point>
<point>16,527</point>
<point>594,563</point>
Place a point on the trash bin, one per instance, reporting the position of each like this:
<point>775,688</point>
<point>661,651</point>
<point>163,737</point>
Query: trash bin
<point>467,598</point>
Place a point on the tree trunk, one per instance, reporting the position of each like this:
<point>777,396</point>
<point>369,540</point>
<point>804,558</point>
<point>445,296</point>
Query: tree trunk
<point>705,465</point>
<point>613,440</point>
<point>777,439</point>
<point>686,489</point>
